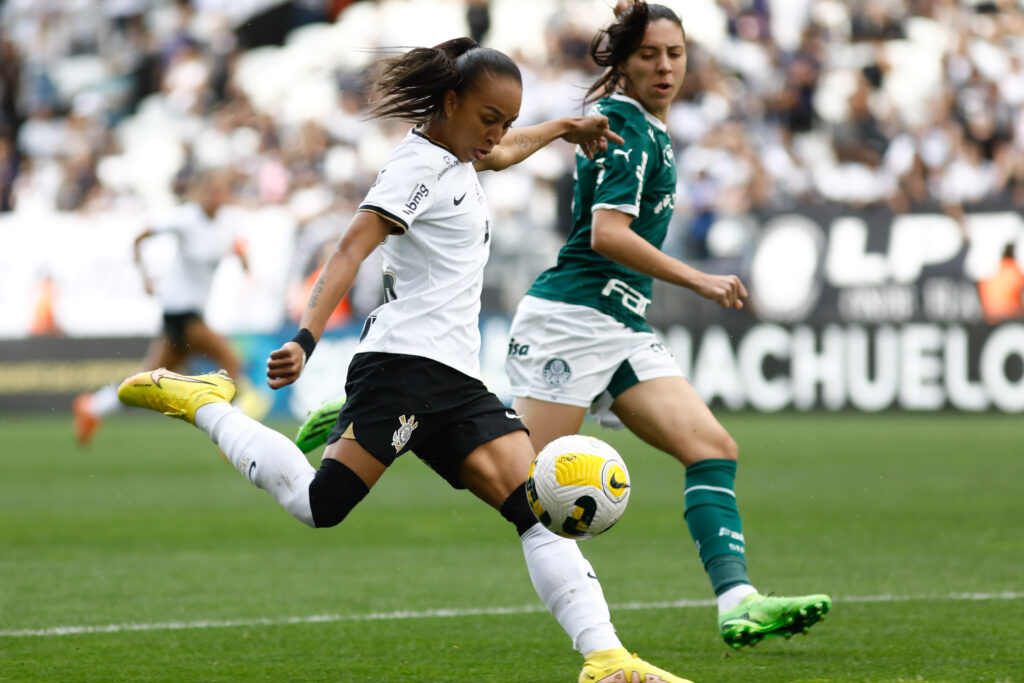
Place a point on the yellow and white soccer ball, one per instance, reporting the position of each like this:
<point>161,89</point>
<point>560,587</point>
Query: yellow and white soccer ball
<point>578,486</point>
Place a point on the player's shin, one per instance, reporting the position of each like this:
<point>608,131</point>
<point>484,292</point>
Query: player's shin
<point>105,401</point>
<point>267,458</point>
<point>715,525</point>
<point>563,579</point>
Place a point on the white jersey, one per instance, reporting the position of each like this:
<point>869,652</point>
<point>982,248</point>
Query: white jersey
<point>434,261</point>
<point>202,242</point>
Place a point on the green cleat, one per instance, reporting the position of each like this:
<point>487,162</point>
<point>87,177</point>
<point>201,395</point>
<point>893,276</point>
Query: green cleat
<point>759,617</point>
<point>318,424</point>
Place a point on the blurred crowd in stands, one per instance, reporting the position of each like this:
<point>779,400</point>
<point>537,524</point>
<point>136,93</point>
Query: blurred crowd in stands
<point>112,104</point>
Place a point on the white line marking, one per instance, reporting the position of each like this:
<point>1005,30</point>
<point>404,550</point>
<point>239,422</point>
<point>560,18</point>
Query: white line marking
<point>443,613</point>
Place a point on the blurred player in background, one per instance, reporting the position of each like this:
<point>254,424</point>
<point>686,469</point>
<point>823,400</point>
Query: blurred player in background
<point>581,333</point>
<point>414,382</point>
<point>202,243</point>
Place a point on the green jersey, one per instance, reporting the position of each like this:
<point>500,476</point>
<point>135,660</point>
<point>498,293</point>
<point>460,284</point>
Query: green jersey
<point>637,178</point>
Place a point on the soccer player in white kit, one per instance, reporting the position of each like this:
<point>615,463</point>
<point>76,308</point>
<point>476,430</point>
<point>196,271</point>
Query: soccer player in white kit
<point>414,382</point>
<point>202,242</point>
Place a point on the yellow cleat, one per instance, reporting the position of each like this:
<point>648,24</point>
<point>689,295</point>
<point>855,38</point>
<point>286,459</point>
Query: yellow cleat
<point>176,395</point>
<point>618,666</point>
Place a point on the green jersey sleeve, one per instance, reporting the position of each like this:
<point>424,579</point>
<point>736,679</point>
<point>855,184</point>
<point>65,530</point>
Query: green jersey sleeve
<point>619,182</point>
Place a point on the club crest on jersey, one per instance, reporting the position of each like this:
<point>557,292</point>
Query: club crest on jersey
<point>418,194</point>
<point>556,372</point>
<point>404,432</point>
<point>669,155</point>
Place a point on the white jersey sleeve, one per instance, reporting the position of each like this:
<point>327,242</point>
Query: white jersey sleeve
<point>404,190</point>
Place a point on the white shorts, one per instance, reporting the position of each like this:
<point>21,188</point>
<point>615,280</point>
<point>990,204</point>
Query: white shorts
<point>576,355</point>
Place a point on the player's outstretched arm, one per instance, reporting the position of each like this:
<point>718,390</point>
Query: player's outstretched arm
<point>140,263</point>
<point>612,237</point>
<point>364,233</point>
<point>591,133</point>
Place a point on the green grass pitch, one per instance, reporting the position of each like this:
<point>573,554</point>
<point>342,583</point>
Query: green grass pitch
<point>148,558</point>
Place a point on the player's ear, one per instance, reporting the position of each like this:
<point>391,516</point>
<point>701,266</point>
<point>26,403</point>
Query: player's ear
<point>451,103</point>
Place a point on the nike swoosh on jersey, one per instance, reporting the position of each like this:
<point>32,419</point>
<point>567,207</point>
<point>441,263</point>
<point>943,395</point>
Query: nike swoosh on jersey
<point>458,200</point>
<point>512,416</point>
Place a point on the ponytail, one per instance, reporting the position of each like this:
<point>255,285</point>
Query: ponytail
<point>412,86</point>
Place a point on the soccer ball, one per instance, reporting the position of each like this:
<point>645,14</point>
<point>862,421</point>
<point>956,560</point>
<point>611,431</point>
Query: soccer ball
<point>578,486</point>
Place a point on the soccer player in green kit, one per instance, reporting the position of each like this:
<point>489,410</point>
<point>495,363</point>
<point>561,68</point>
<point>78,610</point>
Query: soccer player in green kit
<point>580,338</point>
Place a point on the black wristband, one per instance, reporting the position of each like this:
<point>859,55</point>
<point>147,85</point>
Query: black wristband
<point>305,339</point>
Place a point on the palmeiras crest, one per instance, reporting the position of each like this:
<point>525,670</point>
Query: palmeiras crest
<point>556,372</point>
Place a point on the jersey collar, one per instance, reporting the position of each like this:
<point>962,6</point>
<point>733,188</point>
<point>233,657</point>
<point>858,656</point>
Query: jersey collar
<point>651,118</point>
<point>417,131</point>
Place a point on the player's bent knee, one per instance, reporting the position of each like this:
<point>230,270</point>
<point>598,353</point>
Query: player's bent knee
<point>717,446</point>
<point>728,447</point>
<point>516,509</point>
<point>334,491</point>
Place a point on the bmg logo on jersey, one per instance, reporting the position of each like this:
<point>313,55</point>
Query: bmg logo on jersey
<point>417,195</point>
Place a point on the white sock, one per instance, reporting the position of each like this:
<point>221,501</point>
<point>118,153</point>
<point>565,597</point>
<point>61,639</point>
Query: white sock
<point>566,583</point>
<point>734,596</point>
<point>104,401</point>
<point>267,458</point>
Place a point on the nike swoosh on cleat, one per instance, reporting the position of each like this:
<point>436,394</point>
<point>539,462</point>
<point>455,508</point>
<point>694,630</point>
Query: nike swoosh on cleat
<point>592,575</point>
<point>161,373</point>
<point>459,199</point>
<point>252,466</point>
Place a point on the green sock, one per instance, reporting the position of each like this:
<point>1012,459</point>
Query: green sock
<point>714,522</point>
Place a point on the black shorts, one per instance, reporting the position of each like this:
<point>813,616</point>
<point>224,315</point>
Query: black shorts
<point>398,403</point>
<point>175,324</point>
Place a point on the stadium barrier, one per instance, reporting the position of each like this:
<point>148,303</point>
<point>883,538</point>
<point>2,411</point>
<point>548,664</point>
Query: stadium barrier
<point>850,309</point>
<point>762,366</point>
